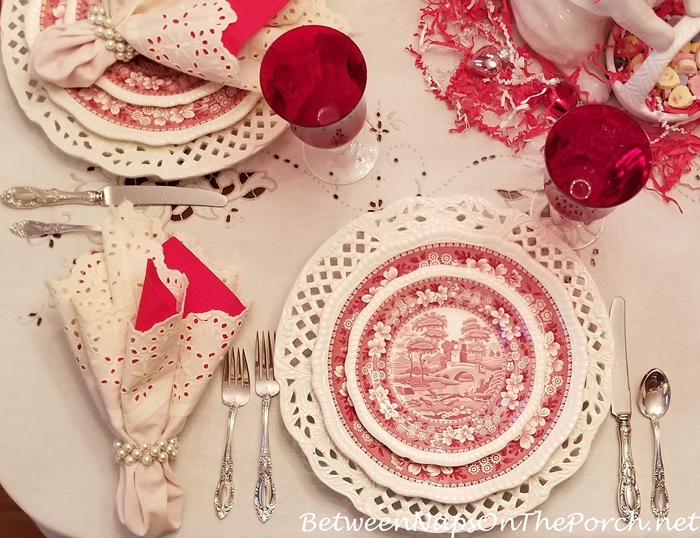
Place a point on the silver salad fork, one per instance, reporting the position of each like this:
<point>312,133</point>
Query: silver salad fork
<point>266,386</point>
<point>235,393</point>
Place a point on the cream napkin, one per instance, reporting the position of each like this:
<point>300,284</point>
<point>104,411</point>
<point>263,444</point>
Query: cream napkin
<point>144,383</point>
<point>221,41</point>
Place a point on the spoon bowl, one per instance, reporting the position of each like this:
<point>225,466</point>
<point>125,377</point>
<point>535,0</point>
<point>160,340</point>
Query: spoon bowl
<point>654,394</point>
<point>654,400</point>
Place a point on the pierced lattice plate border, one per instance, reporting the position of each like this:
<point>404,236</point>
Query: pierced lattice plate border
<point>206,154</point>
<point>336,259</point>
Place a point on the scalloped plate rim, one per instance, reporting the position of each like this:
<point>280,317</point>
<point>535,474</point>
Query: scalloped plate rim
<point>449,459</point>
<point>107,129</point>
<point>469,493</point>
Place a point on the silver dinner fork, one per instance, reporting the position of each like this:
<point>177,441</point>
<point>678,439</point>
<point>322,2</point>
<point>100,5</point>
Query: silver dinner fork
<point>235,392</point>
<point>266,386</point>
<point>30,229</point>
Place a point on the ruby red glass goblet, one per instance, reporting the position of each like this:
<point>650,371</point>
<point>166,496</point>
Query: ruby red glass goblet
<point>315,77</point>
<point>597,157</point>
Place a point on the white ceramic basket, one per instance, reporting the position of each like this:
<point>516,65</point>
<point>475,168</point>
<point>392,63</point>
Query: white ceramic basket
<point>633,93</point>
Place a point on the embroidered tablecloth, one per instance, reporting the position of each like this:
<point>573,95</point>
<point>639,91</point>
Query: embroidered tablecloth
<point>54,449</point>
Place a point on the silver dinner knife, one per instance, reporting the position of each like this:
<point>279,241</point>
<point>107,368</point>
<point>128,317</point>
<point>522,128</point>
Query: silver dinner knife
<point>28,197</point>
<point>629,502</point>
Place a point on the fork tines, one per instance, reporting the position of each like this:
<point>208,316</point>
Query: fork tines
<point>237,359</point>
<point>226,372</point>
<point>235,378</point>
<point>240,369</point>
<point>264,344</point>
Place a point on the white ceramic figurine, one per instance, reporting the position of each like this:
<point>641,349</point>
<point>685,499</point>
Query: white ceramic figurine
<point>567,31</point>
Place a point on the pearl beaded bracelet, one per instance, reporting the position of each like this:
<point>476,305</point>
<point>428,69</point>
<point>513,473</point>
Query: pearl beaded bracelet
<point>145,453</point>
<point>105,29</point>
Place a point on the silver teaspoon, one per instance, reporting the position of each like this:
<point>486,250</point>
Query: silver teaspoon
<point>654,399</point>
<point>29,229</point>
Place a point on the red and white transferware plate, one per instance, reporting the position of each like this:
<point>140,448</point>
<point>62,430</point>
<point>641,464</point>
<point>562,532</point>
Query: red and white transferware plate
<point>147,83</point>
<point>565,366</point>
<point>445,365</point>
<point>141,101</point>
<point>141,81</point>
<point>205,154</point>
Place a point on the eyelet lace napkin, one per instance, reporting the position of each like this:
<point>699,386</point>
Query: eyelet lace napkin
<point>221,41</point>
<point>148,321</point>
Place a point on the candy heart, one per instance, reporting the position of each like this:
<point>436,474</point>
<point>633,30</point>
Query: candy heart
<point>668,79</point>
<point>680,97</point>
<point>681,56</point>
<point>686,67</point>
<point>636,62</point>
<point>694,85</point>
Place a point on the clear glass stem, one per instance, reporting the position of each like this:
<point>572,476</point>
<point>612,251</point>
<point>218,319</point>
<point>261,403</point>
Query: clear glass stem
<point>345,164</point>
<point>577,235</point>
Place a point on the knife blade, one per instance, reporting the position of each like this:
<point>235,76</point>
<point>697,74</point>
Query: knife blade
<point>629,501</point>
<point>28,197</point>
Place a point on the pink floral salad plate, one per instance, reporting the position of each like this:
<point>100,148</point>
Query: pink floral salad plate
<point>140,101</point>
<point>343,374</point>
<point>138,82</point>
<point>445,365</point>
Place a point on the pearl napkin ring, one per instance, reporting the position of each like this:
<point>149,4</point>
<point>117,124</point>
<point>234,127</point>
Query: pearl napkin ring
<point>145,453</point>
<point>104,28</point>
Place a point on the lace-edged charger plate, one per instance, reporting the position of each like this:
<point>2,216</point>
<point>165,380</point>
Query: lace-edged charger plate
<point>530,445</point>
<point>110,116</point>
<point>431,493</point>
<point>445,365</point>
<point>205,154</point>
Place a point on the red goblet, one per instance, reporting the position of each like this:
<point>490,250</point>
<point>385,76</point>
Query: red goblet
<point>314,77</point>
<point>597,158</point>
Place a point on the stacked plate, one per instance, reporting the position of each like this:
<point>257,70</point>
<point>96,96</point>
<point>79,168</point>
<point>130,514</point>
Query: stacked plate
<point>440,350</point>
<point>140,118</point>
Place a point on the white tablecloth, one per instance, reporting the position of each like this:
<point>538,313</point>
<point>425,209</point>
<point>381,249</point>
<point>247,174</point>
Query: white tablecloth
<point>55,453</point>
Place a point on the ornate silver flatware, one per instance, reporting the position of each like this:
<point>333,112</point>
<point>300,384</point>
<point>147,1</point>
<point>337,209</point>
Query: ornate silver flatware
<point>29,229</point>
<point>266,386</point>
<point>654,399</point>
<point>629,501</point>
<point>235,393</point>
<point>28,197</point>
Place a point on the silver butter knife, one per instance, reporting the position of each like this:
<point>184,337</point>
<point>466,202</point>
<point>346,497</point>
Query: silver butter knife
<point>629,502</point>
<point>28,197</point>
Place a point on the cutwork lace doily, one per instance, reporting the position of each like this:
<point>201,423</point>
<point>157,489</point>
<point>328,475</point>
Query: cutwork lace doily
<point>334,262</point>
<point>206,154</point>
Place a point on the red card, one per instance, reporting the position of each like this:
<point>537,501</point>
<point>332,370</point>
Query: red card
<point>252,16</point>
